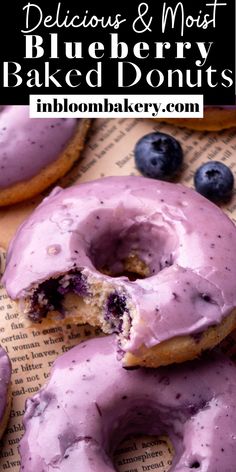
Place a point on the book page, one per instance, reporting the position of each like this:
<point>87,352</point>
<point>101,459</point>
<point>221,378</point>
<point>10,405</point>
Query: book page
<point>109,151</point>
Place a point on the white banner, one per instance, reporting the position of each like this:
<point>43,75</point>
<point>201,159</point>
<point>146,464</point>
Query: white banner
<point>116,106</point>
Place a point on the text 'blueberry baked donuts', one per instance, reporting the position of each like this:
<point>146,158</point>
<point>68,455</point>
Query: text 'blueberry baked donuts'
<point>77,424</point>
<point>34,153</point>
<point>151,261</point>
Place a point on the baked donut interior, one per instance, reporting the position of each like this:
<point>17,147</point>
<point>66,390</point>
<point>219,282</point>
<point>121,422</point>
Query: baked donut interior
<point>118,255</point>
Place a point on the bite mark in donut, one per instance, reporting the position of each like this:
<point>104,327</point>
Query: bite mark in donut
<point>49,295</point>
<point>78,254</point>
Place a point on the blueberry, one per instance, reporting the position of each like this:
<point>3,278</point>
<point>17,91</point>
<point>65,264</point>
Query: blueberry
<point>215,181</point>
<point>158,155</point>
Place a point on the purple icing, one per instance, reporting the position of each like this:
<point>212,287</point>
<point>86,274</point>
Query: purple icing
<point>187,243</point>
<point>86,417</point>
<point>27,145</point>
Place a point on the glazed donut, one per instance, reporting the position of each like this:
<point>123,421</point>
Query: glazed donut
<point>79,249</point>
<point>5,390</point>
<point>34,153</point>
<point>215,119</point>
<point>83,420</point>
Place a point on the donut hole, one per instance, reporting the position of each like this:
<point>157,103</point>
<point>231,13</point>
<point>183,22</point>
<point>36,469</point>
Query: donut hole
<point>139,251</point>
<point>195,465</point>
<point>143,453</point>
<point>140,437</point>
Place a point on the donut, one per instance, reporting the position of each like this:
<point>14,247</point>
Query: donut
<point>83,420</point>
<point>154,262</point>
<point>215,119</point>
<point>34,153</point>
<point>5,390</point>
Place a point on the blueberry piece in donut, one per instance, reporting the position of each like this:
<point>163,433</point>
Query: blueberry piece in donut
<point>49,294</point>
<point>5,389</point>
<point>153,262</point>
<point>35,152</point>
<point>158,155</point>
<point>83,420</point>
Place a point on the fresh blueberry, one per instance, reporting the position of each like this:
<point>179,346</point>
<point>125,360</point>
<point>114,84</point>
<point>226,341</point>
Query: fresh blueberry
<point>215,181</point>
<point>158,155</point>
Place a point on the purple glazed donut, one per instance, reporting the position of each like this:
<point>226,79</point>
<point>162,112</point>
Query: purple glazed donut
<point>70,254</point>
<point>90,404</point>
<point>35,152</point>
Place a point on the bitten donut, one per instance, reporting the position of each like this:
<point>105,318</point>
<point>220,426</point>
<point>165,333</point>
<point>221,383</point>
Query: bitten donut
<point>81,249</point>
<point>83,420</point>
<point>34,153</point>
<point>5,390</point>
<point>215,119</point>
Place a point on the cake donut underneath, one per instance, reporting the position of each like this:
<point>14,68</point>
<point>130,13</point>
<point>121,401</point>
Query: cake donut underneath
<point>82,420</point>
<point>5,390</point>
<point>215,119</point>
<point>79,252</point>
<point>35,152</point>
